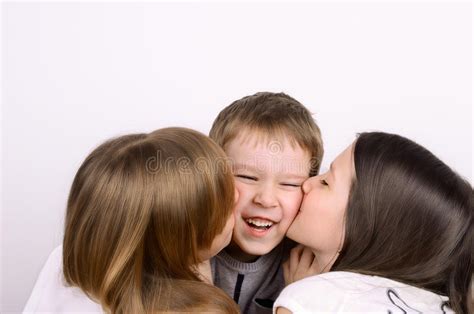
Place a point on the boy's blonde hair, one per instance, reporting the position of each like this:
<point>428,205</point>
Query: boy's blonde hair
<point>140,208</point>
<point>270,115</point>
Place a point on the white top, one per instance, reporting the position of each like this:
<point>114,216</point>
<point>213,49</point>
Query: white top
<point>51,295</point>
<point>344,292</point>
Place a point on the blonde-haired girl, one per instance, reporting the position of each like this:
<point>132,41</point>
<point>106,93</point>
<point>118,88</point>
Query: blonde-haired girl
<point>144,212</point>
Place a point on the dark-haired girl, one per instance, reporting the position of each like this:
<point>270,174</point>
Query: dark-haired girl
<point>388,228</point>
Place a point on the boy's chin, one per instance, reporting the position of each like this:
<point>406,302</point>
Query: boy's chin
<point>248,252</point>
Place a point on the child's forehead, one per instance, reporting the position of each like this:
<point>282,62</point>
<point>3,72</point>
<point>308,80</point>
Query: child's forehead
<point>270,154</point>
<point>255,137</point>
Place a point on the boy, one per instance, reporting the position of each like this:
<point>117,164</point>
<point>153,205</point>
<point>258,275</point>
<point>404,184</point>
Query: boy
<point>274,145</point>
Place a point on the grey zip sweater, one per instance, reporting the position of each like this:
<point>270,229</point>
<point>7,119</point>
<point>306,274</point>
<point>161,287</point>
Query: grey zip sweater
<point>254,286</point>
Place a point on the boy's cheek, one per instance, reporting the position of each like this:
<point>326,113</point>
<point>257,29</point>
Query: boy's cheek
<point>244,194</point>
<point>299,199</point>
<point>291,206</point>
<point>293,200</point>
<point>236,196</point>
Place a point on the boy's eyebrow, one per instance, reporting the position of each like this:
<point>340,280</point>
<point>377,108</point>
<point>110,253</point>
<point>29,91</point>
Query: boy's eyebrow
<point>295,176</point>
<point>286,175</point>
<point>245,166</point>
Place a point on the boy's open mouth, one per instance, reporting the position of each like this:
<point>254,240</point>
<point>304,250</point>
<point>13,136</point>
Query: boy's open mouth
<point>259,224</point>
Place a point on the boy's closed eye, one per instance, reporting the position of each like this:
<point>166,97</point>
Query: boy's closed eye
<point>246,177</point>
<point>295,185</point>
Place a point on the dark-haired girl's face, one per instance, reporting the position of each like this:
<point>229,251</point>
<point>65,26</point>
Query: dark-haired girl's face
<point>320,222</point>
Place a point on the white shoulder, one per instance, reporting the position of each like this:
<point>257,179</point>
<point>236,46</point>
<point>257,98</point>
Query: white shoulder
<point>312,294</point>
<point>50,272</point>
<point>338,292</point>
<point>51,294</point>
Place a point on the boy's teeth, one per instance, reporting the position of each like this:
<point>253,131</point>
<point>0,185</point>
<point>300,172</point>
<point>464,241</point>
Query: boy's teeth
<point>259,223</point>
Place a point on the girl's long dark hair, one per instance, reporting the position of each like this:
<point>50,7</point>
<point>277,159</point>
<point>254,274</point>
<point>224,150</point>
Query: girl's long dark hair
<point>409,218</point>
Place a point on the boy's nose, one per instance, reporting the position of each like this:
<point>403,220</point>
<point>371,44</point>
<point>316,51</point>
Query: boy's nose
<point>265,197</point>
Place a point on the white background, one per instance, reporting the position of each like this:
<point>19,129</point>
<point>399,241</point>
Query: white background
<point>74,75</point>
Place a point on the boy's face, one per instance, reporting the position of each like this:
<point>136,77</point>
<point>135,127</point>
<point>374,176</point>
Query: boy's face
<point>268,176</point>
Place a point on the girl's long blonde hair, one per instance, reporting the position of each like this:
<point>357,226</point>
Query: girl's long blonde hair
<point>140,209</point>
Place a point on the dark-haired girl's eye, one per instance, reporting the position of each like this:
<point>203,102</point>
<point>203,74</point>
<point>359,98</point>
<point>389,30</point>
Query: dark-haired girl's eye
<point>323,182</point>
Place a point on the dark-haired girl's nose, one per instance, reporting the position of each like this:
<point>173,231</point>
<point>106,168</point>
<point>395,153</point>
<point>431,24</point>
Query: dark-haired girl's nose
<point>307,185</point>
